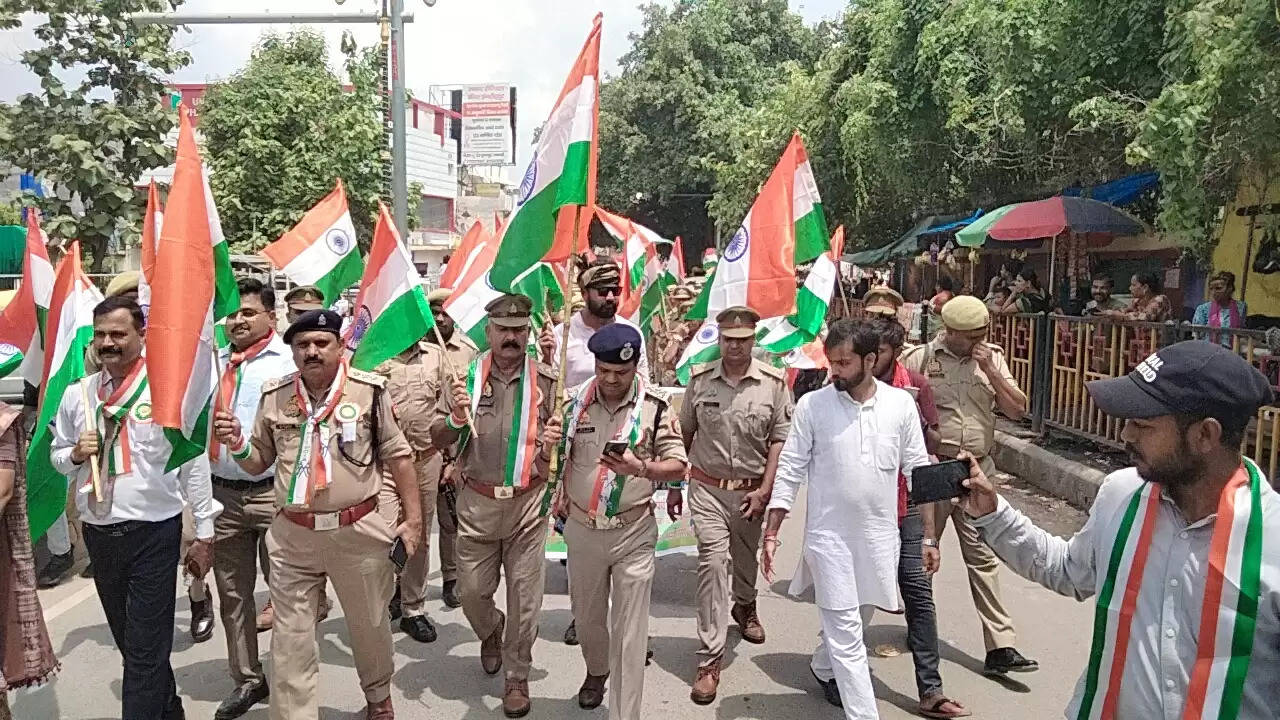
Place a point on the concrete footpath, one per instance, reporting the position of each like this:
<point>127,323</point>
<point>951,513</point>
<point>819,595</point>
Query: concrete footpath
<point>443,680</point>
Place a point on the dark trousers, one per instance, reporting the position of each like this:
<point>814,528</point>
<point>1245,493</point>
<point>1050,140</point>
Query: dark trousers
<point>917,594</point>
<point>135,567</point>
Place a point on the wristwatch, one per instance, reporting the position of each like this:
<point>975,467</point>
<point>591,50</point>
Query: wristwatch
<point>929,542</point>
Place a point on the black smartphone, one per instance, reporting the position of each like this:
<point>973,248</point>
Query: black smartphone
<point>615,447</point>
<point>399,555</point>
<point>940,481</point>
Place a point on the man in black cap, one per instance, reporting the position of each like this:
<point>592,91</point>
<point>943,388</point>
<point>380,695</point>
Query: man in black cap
<point>619,441</point>
<point>330,430</point>
<point>1174,548</point>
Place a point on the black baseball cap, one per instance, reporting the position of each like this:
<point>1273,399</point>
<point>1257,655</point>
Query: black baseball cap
<point>1193,377</point>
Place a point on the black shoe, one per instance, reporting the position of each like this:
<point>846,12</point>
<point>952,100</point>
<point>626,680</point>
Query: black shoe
<point>393,607</point>
<point>55,571</point>
<point>830,690</point>
<point>201,620</point>
<point>87,572</point>
<point>648,657</point>
<point>1007,660</point>
<point>571,633</point>
<point>174,711</point>
<point>419,628</point>
<point>450,594</point>
<point>242,699</point>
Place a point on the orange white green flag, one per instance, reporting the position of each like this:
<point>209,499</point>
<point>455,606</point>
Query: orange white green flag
<point>69,330</point>
<point>321,249</point>
<point>465,253</point>
<point>180,332</point>
<point>22,324</point>
<point>152,221</point>
<point>391,309</point>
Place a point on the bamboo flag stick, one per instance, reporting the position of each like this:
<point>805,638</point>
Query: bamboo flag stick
<point>448,368</point>
<point>89,424</point>
<point>564,340</point>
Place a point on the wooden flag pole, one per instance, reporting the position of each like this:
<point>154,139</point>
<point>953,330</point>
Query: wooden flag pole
<point>448,368</point>
<point>94,472</point>
<point>840,289</point>
<point>572,281</point>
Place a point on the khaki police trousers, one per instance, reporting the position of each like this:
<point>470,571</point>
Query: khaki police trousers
<point>353,558</point>
<point>413,581</point>
<point>239,540</point>
<point>507,536</point>
<point>724,538</point>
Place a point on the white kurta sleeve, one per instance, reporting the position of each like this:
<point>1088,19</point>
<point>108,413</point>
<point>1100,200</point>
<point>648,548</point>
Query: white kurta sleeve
<point>793,462</point>
<point>912,450</point>
<point>66,433</point>
<point>197,486</point>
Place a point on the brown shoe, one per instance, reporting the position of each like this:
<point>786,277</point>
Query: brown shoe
<point>515,698</point>
<point>591,694</point>
<point>380,711</point>
<point>266,618</point>
<point>491,650</point>
<point>704,688</point>
<point>748,623</point>
<point>322,610</point>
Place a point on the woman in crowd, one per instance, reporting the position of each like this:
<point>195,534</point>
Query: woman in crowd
<point>24,639</point>
<point>1147,304</point>
<point>1026,295</point>
<point>1222,310</point>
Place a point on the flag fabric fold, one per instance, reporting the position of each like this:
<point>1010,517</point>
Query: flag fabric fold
<point>465,253</point>
<point>152,221</point>
<point>22,324</point>
<point>321,250</point>
<point>391,311</point>
<point>673,268</point>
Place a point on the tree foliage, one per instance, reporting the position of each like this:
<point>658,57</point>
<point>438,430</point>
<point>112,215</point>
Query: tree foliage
<point>280,132</point>
<point>99,120</point>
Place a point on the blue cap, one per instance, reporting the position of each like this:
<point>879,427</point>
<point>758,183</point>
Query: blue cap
<point>616,343</point>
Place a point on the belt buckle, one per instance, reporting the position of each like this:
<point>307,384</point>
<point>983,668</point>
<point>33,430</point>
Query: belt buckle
<point>327,521</point>
<point>504,492</point>
<point>604,522</point>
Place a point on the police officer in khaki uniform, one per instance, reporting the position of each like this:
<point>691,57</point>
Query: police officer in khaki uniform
<point>608,498</point>
<point>329,429</point>
<point>970,380</point>
<point>301,299</point>
<point>460,352</point>
<point>734,418</point>
<point>500,521</point>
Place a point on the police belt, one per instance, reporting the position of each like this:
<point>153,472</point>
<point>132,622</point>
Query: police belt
<point>745,484</point>
<point>423,455</point>
<point>500,492</point>
<point>332,520</point>
<point>604,522</point>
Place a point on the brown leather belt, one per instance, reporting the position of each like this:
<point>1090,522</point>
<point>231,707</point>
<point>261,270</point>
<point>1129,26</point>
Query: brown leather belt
<point>423,455</point>
<point>500,492</point>
<point>332,520</point>
<point>601,522</point>
<point>746,484</point>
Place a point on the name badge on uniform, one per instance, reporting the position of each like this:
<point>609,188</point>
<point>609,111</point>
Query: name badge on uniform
<point>934,366</point>
<point>142,412</point>
<point>347,413</point>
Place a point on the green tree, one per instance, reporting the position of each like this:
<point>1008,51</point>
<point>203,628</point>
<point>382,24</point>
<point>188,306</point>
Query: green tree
<point>280,132</point>
<point>98,121</point>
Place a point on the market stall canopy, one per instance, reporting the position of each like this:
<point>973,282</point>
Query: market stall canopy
<point>1049,218</point>
<point>1124,191</point>
<point>906,245</point>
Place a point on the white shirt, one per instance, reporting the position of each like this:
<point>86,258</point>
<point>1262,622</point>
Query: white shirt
<point>146,493</point>
<point>275,360</point>
<point>1166,618</point>
<point>851,454</point>
<point>581,363</point>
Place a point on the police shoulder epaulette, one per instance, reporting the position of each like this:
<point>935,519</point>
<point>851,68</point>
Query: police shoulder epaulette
<point>773,372</point>
<point>662,396</point>
<point>546,371</point>
<point>701,368</point>
<point>366,377</point>
<point>277,383</point>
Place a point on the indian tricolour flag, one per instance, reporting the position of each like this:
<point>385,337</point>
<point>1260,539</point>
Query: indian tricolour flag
<point>69,331</point>
<point>321,249</point>
<point>180,333</point>
<point>22,324</point>
<point>465,254</point>
<point>391,310</point>
<point>152,221</point>
<point>780,335</point>
<point>673,268</point>
<point>472,293</point>
<point>643,274</point>
<point>549,223</point>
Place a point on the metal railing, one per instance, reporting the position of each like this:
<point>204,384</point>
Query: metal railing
<point>1052,357</point>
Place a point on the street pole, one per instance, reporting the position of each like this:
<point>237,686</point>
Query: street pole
<point>399,176</point>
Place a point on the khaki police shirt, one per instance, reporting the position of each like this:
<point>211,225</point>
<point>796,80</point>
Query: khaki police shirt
<point>484,458</point>
<point>659,440</point>
<point>964,395</point>
<point>733,426</point>
<point>278,431</point>
<point>414,388</point>
<point>460,350</point>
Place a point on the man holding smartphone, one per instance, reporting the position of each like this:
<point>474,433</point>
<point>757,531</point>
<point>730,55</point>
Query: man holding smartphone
<point>619,442</point>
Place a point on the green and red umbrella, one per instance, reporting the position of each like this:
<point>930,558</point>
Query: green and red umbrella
<point>1049,218</point>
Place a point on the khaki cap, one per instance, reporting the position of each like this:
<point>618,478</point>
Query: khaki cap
<point>965,312</point>
<point>124,282</point>
<point>439,295</point>
<point>882,301</point>
<point>509,310</point>
<point>738,321</point>
<point>604,275</point>
<point>303,294</point>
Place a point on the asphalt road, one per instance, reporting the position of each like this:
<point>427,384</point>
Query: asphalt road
<point>444,681</point>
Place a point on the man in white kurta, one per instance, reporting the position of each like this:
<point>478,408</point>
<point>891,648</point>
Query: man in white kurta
<point>850,440</point>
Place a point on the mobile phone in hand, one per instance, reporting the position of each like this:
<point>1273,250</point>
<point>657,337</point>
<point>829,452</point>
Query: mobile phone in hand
<point>399,555</point>
<point>940,481</point>
<point>615,447</point>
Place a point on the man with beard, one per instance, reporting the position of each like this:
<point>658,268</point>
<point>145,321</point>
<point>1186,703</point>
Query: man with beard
<point>1103,301</point>
<point>849,440</point>
<point>970,381</point>
<point>330,430</point>
<point>601,289</point>
<point>734,418</point>
<point>255,356</point>
<point>1175,549</point>
<point>495,413</point>
<point>134,533</point>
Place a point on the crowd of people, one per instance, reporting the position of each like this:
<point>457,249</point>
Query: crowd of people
<point>324,475</point>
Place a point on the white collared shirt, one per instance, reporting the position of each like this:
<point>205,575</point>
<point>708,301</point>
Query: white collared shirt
<point>275,361</point>
<point>147,492</point>
<point>1165,627</point>
<point>581,363</point>
<point>850,453</point>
